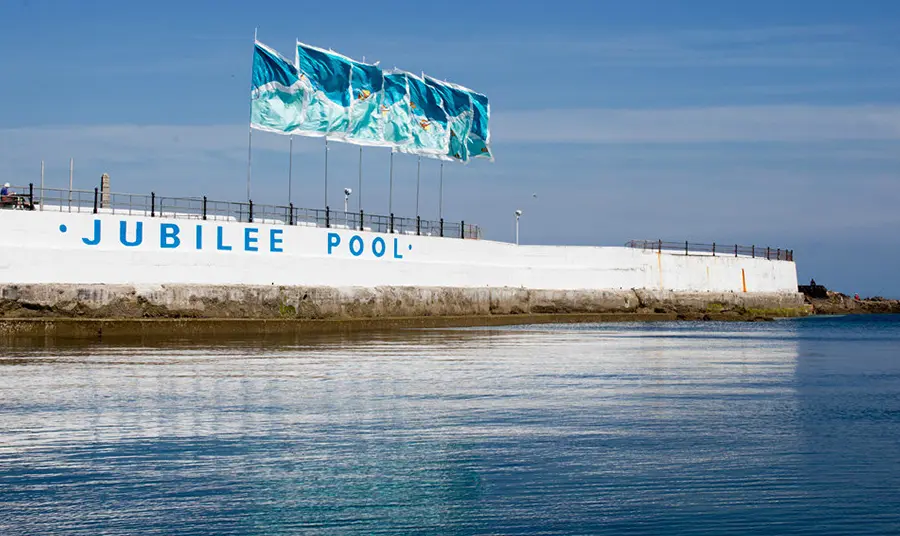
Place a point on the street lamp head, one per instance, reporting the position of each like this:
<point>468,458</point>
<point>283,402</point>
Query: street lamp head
<point>348,191</point>
<point>518,213</point>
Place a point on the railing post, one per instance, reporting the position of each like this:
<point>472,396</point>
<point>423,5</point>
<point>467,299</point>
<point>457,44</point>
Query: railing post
<point>462,229</point>
<point>250,201</point>
<point>31,195</point>
<point>714,249</point>
<point>442,227</point>
<point>768,250</point>
<point>418,225</point>
<point>753,250</point>
<point>204,208</point>
<point>686,251</point>
<point>152,204</point>
<point>327,217</point>
<point>659,246</point>
<point>778,254</point>
<point>360,219</point>
<point>291,215</point>
<point>735,250</point>
<point>392,223</point>
<point>96,196</point>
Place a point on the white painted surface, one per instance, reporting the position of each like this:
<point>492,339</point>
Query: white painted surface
<point>35,250</point>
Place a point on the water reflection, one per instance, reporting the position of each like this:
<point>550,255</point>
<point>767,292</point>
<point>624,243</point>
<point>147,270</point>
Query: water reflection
<point>682,428</point>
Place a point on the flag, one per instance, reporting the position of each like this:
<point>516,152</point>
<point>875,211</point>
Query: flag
<point>456,102</point>
<point>396,114</point>
<point>277,93</point>
<point>366,126</point>
<point>478,142</point>
<point>428,126</point>
<point>327,112</point>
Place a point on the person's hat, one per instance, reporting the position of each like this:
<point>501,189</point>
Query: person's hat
<point>6,185</point>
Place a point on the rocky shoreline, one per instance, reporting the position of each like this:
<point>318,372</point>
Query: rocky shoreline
<point>835,303</point>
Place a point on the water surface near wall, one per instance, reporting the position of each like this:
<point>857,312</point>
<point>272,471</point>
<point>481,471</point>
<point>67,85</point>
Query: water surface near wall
<point>786,427</point>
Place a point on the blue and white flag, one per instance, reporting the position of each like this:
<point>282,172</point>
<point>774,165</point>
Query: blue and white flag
<point>457,104</point>
<point>396,113</point>
<point>478,142</point>
<point>429,129</point>
<point>277,93</point>
<point>367,91</point>
<point>327,111</point>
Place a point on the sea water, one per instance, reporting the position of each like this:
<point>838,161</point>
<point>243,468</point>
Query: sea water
<point>786,427</point>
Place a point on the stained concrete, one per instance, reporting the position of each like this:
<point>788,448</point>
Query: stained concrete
<point>319,303</point>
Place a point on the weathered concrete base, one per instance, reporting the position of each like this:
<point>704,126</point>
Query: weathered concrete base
<point>316,303</point>
<point>93,312</point>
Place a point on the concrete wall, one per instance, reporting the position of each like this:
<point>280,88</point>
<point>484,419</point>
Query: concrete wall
<point>62,248</point>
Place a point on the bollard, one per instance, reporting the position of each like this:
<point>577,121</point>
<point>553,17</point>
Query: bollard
<point>735,250</point>
<point>251,210</point>
<point>753,251</point>
<point>152,204</point>
<point>418,225</point>
<point>768,250</point>
<point>462,229</point>
<point>392,223</point>
<point>714,249</point>
<point>204,208</point>
<point>291,214</point>
<point>442,227</point>
<point>686,248</point>
<point>96,196</point>
<point>327,217</point>
<point>360,219</point>
<point>31,195</point>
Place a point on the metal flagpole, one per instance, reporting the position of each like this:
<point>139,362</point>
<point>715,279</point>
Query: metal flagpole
<point>42,185</point>
<point>441,195</point>
<point>326,172</point>
<point>391,187</point>
<point>71,174</point>
<point>250,128</point>
<point>290,168</point>
<point>418,175</point>
<point>359,190</point>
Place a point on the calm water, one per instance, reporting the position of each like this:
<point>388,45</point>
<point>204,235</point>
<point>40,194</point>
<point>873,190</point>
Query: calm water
<point>789,427</point>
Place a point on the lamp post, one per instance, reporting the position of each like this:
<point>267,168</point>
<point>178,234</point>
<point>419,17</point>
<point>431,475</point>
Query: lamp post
<point>518,215</point>
<point>347,192</point>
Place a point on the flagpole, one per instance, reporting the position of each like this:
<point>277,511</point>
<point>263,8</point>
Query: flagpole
<point>441,195</point>
<point>359,190</point>
<point>250,127</point>
<point>391,187</point>
<point>418,176</point>
<point>290,167</point>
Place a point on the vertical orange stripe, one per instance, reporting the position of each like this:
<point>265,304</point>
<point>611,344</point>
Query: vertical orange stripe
<point>744,279</point>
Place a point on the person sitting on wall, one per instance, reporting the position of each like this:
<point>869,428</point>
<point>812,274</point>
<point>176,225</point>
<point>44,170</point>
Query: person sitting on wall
<point>7,197</point>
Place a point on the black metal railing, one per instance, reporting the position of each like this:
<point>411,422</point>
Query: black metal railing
<point>715,249</point>
<point>202,208</point>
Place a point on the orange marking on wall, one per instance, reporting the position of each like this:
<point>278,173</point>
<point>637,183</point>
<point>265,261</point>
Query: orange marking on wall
<point>744,279</point>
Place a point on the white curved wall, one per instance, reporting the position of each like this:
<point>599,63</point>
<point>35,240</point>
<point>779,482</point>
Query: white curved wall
<point>49,247</point>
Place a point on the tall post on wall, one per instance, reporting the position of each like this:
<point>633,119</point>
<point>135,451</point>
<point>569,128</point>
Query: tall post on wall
<point>250,128</point>
<point>359,187</point>
<point>71,178</point>
<point>391,187</point>
<point>290,168</point>
<point>42,185</point>
<point>418,177</point>
<point>518,215</point>
<point>326,172</point>
<point>441,194</point>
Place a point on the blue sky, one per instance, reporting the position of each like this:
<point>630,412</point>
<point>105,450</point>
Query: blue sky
<point>774,123</point>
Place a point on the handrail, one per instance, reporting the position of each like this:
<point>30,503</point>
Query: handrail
<point>715,249</point>
<point>203,208</point>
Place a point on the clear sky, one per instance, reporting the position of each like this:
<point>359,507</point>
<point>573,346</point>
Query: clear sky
<point>767,122</point>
